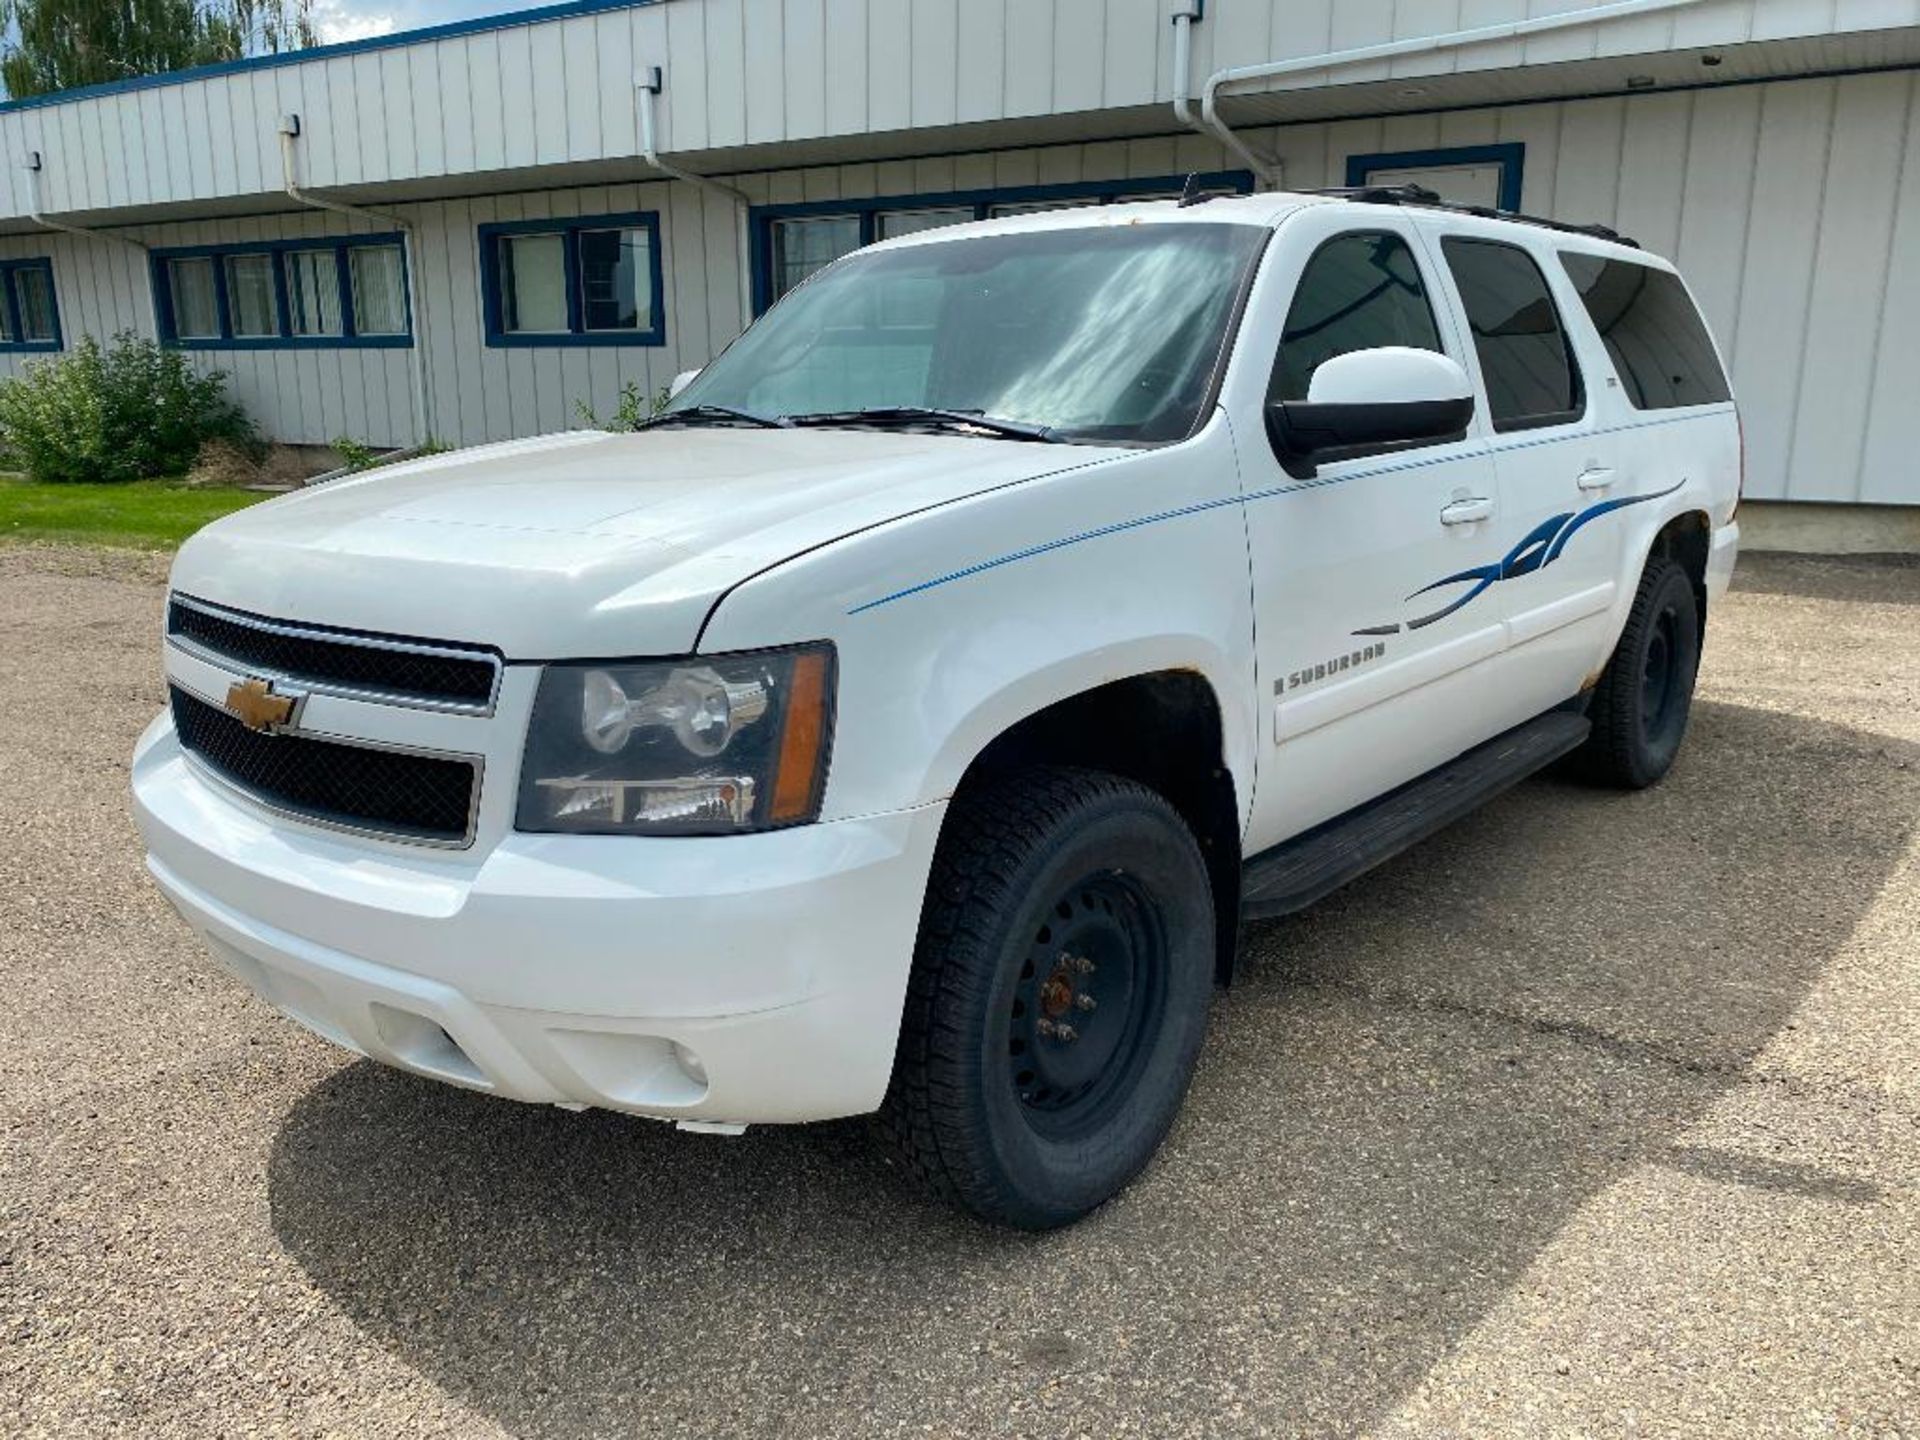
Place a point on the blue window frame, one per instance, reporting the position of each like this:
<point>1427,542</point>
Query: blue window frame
<point>579,280</point>
<point>1511,160</point>
<point>789,242</point>
<point>29,311</point>
<point>330,292</point>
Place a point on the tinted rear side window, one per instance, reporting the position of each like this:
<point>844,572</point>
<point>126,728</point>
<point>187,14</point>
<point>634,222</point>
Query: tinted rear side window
<point>1656,337</point>
<point>1358,291</point>
<point>1525,359</point>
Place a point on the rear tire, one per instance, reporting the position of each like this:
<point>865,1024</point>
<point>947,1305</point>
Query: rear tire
<point>1640,707</point>
<point>1058,999</point>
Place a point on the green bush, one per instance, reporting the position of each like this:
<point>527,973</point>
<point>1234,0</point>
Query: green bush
<point>635,408</point>
<point>355,454</point>
<point>130,412</point>
<point>358,455</point>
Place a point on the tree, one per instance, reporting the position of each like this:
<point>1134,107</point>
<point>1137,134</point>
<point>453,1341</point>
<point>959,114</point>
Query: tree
<point>61,44</point>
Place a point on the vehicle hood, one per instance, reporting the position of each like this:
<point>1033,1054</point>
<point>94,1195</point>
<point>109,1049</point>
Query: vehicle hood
<point>585,543</point>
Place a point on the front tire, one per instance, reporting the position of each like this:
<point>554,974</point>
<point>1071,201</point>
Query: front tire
<point>1058,998</point>
<point>1640,707</point>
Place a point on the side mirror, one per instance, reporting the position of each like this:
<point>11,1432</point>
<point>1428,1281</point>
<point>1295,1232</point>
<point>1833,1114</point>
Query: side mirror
<point>680,382</point>
<point>1368,402</point>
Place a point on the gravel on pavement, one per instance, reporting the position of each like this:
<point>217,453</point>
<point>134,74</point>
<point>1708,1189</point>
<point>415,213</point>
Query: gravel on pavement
<point>1595,1115</point>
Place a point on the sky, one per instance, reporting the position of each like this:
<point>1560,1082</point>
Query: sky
<point>338,20</point>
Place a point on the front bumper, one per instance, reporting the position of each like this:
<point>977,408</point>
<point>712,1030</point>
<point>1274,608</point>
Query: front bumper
<point>744,979</point>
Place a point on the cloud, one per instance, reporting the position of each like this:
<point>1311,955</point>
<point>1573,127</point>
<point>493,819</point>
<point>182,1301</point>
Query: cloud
<point>334,22</point>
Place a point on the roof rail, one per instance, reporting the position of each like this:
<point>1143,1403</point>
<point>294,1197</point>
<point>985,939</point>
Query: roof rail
<point>1426,199</point>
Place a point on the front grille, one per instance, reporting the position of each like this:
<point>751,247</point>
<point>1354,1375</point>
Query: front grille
<point>411,797</point>
<point>377,666</point>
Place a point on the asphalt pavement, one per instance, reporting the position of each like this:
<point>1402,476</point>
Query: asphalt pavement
<point>1596,1115</point>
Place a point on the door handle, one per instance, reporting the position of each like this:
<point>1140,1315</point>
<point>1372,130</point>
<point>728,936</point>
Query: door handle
<point>1466,511</point>
<point>1595,477</point>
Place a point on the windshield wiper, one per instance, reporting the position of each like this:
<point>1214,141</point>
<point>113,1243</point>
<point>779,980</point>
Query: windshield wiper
<point>910,415</point>
<point>696,414</point>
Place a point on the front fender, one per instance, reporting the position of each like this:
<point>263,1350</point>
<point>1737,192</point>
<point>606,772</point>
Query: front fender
<point>955,624</point>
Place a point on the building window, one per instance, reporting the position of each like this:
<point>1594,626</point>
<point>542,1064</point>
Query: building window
<point>29,318</point>
<point>292,293</point>
<point>313,292</point>
<point>378,279</point>
<point>533,280</point>
<point>250,299</point>
<point>893,223</point>
<point>196,308</point>
<point>616,292</point>
<point>1487,175</point>
<point>595,280</point>
<point>791,242</point>
<point>802,246</point>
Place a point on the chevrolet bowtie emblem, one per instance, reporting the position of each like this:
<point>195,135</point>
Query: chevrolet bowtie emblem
<point>253,703</point>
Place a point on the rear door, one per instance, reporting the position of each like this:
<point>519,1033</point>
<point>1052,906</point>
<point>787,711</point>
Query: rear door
<point>1555,451</point>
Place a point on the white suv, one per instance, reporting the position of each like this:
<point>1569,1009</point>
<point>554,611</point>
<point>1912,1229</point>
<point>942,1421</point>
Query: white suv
<point>906,719</point>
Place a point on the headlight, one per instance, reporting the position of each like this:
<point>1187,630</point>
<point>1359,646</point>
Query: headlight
<point>711,745</point>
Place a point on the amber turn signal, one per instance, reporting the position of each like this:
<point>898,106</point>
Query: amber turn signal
<point>800,773</point>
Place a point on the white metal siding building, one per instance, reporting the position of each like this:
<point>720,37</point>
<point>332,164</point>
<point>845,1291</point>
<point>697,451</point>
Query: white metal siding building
<point>517,255</point>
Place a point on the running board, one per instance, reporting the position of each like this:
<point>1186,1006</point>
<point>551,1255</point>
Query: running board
<point>1293,875</point>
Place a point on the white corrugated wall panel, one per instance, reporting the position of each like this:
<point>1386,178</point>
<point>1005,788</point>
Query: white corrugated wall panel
<point>1079,54</point>
<point>762,71</point>
<point>1793,206</point>
<point>936,77</point>
<point>1890,462</point>
<point>803,40</point>
<point>1845,306</point>
<point>547,63</point>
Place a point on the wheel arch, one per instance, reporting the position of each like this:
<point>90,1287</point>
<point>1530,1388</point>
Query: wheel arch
<point>1687,539</point>
<point>1165,728</point>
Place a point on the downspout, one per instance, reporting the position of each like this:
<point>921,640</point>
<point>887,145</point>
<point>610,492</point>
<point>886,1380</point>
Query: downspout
<point>646,87</point>
<point>1388,50</point>
<point>1191,13</point>
<point>32,166</point>
<point>416,297</point>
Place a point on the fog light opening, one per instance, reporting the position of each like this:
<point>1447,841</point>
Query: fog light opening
<point>689,1064</point>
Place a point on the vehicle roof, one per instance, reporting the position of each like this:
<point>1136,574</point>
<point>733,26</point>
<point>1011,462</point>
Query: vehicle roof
<point>1272,208</point>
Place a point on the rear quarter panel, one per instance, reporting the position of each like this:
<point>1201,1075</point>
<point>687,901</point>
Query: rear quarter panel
<point>1693,452</point>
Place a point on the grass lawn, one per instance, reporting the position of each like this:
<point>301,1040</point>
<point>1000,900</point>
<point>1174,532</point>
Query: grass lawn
<point>141,515</point>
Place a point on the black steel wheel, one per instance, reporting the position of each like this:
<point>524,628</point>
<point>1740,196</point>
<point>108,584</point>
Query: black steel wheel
<point>1058,998</point>
<point>1086,1005</point>
<point>1640,707</point>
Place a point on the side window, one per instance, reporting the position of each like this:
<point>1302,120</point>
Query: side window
<point>1525,356</point>
<point>1358,291</point>
<point>1655,336</point>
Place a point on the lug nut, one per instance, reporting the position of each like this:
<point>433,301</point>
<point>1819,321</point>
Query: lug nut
<point>1085,1002</point>
<point>1066,1033</point>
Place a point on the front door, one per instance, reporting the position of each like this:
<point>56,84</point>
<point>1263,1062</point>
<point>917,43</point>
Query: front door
<point>1371,654</point>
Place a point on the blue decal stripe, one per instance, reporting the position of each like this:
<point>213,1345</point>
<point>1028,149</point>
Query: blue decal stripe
<point>1539,549</point>
<point>1493,452</point>
<point>1033,550</point>
<point>1594,512</point>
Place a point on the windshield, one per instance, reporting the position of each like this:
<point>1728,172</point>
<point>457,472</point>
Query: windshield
<point>1099,334</point>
